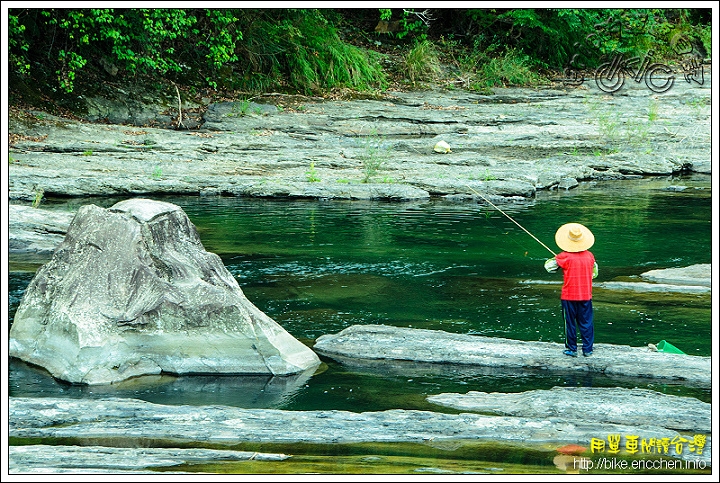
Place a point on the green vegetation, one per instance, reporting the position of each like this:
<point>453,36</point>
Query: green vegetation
<point>316,51</point>
<point>485,176</point>
<point>239,108</point>
<point>422,62</point>
<point>39,193</point>
<point>375,155</point>
<point>620,132</point>
<point>311,173</point>
<point>653,110</point>
<point>513,68</point>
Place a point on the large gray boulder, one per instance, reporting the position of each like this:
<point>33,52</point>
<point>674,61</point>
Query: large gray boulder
<point>132,291</point>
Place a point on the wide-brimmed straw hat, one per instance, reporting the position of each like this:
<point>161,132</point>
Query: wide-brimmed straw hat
<point>574,237</point>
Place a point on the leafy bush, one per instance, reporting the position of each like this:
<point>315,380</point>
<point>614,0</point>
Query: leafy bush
<point>300,46</point>
<point>551,37</point>
<point>314,50</point>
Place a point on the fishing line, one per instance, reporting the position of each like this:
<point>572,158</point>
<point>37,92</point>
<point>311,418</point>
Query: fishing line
<point>504,231</point>
<point>511,219</point>
<point>508,216</point>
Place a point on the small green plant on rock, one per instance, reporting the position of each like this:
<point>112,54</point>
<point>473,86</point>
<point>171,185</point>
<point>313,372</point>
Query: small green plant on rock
<point>637,133</point>
<point>239,108</point>
<point>374,157</point>
<point>311,173</point>
<point>157,172</point>
<point>39,193</point>
<point>653,111</point>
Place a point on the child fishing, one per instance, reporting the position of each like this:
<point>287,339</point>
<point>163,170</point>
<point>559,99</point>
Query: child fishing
<point>579,269</point>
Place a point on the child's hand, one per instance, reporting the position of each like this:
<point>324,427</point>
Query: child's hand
<point>551,265</point>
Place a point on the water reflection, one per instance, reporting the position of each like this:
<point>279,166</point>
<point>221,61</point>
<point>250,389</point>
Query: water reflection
<point>246,391</point>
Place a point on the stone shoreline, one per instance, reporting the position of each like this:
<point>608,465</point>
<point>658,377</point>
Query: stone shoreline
<point>512,143</point>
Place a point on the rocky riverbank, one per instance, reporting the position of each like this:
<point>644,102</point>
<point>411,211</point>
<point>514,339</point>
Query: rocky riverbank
<point>512,143</point>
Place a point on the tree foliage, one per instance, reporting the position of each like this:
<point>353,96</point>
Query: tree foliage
<point>310,50</point>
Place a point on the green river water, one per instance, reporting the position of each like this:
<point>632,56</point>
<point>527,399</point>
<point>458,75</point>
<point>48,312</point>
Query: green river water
<point>317,267</point>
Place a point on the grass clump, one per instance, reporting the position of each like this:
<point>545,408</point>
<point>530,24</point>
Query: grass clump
<point>511,69</point>
<point>422,62</point>
<point>37,199</point>
<point>315,59</point>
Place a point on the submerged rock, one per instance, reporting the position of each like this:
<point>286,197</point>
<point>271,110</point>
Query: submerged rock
<point>382,342</point>
<point>614,405</point>
<point>647,287</point>
<point>131,291</point>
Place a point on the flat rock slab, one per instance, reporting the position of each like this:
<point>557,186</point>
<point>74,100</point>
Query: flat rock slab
<point>382,342</point>
<point>104,459</point>
<point>126,422</point>
<point>36,230</point>
<point>699,274</point>
<point>614,405</point>
<point>647,287</point>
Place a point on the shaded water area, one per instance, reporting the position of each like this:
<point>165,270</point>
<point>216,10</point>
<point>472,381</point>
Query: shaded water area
<point>317,267</point>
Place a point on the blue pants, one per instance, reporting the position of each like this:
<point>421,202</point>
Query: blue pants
<point>578,312</point>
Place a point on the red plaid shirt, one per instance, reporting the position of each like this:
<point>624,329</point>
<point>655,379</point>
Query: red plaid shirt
<point>577,274</point>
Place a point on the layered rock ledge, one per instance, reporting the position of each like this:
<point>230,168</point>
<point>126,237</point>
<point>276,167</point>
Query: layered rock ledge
<point>694,279</point>
<point>514,142</point>
<point>597,404</point>
<point>105,459</point>
<point>382,342</point>
<point>126,421</point>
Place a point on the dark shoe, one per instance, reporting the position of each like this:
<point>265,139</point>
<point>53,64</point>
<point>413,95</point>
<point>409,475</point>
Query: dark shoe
<point>570,353</point>
<point>587,354</point>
